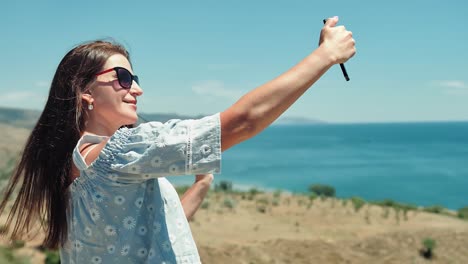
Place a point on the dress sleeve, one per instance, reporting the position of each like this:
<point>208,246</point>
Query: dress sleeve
<point>156,149</point>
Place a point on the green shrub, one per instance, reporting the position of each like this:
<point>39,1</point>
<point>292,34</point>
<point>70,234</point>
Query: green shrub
<point>358,203</point>
<point>395,205</point>
<point>52,257</point>
<point>386,202</point>
<point>229,203</point>
<point>205,205</point>
<point>17,244</point>
<point>261,208</point>
<point>252,193</point>
<point>344,202</point>
<point>223,186</point>
<point>313,196</point>
<point>435,209</point>
<point>322,190</point>
<point>429,245</point>
<point>262,200</point>
<point>300,202</point>
<point>275,201</point>
<point>277,194</point>
<point>7,256</point>
<point>463,213</point>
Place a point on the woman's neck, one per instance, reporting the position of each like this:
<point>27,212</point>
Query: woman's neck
<point>101,127</point>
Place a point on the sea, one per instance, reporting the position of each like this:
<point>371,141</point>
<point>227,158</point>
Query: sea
<point>423,164</point>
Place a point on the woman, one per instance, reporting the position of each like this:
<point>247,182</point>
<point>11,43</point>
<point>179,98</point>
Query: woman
<point>97,183</point>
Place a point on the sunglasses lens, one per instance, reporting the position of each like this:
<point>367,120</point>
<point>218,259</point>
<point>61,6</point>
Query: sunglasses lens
<point>136,79</point>
<point>125,78</point>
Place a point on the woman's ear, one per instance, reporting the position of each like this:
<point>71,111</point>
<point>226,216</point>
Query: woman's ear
<point>88,98</point>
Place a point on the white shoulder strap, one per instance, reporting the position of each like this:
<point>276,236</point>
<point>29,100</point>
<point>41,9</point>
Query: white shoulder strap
<point>89,150</point>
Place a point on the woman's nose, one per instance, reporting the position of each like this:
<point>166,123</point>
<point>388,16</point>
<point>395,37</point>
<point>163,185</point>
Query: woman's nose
<point>136,89</point>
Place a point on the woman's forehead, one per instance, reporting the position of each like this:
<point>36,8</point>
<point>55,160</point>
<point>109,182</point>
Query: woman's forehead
<point>117,60</point>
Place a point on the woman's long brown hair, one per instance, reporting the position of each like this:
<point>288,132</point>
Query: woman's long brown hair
<point>43,171</point>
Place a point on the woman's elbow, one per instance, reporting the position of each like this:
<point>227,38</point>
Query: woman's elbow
<point>237,126</point>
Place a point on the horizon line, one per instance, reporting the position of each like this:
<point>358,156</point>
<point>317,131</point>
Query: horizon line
<point>307,120</point>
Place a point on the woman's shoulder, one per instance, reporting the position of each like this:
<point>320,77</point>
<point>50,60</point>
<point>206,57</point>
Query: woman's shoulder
<point>87,150</point>
<point>90,151</point>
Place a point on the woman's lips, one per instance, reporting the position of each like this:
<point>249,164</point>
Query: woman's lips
<point>132,104</point>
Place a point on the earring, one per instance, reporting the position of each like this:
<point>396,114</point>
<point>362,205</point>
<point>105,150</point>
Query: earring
<point>90,107</point>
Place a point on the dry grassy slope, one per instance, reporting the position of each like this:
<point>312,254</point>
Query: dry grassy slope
<point>325,232</point>
<point>295,231</point>
<point>12,140</point>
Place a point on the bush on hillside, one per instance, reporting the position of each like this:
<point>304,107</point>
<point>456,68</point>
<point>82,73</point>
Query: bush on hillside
<point>435,209</point>
<point>322,190</point>
<point>223,186</point>
<point>252,193</point>
<point>229,203</point>
<point>358,202</point>
<point>7,256</point>
<point>395,205</point>
<point>463,213</point>
<point>52,257</point>
<point>429,245</point>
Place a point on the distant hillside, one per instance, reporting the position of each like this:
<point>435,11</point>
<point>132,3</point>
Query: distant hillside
<point>25,118</point>
<point>19,117</point>
<point>164,117</point>
<point>298,121</point>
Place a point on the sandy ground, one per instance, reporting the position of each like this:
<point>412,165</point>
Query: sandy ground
<point>298,231</point>
<point>291,229</point>
<point>329,231</point>
<point>12,139</point>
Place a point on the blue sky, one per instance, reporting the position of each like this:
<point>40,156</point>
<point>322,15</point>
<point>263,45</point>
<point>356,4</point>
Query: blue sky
<point>199,57</point>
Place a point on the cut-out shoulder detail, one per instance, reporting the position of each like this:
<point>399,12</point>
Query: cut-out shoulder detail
<point>85,146</point>
<point>91,152</point>
<point>91,147</point>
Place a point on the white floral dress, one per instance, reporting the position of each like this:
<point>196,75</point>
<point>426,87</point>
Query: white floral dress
<point>122,209</point>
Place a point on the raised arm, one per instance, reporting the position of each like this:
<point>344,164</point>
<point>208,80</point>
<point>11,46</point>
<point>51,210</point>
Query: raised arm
<point>193,197</point>
<point>260,107</point>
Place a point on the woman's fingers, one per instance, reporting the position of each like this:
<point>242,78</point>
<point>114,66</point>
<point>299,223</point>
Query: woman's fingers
<point>206,177</point>
<point>338,41</point>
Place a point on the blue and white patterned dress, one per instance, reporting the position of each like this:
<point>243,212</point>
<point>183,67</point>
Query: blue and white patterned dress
<point>122,209</point>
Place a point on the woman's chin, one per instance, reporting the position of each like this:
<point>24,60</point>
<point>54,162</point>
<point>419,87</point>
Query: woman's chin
<point>129,120</point>
<point>134,119</point>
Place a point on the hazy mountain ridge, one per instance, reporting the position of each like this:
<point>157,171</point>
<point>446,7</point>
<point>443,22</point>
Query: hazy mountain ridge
<point>23,118</point>
<point>298,121</point>
<point>26,118</point>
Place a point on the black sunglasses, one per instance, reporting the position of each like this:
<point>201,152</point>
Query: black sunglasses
<point>123,75</point>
